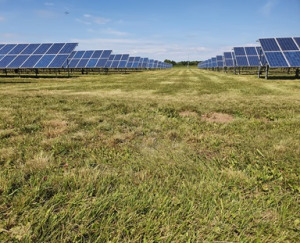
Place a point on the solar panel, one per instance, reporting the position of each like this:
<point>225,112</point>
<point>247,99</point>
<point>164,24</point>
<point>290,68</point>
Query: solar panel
<point>269,44</point>
<point>30,48</point>
<point>18,49</point>
<point>145,62</point>
<point>130,62</point>
<point>123,61</point>
<point>7,48</point>
<point>5,61</point>
<point>293,58</point>
<point>18,61</point>
<point>281,52</point>
<point>220,61</point>
<point>276,59</point>
<point>136,62</point>
<point>47,55</point>
<point>297,39</point>
<point>228,59</point>
<point>42,49</point>
<point>247,56</point>
<point>89,59</point>
<point>287,44</point>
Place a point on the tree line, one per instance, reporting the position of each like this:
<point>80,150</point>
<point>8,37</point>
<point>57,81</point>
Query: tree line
<point>182,63</point>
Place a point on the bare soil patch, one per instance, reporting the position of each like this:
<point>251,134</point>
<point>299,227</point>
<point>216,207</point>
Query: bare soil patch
<point>218,117</point>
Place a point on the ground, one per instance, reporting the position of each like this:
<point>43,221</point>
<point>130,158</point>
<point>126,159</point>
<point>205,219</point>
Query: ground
<point>172,155</point>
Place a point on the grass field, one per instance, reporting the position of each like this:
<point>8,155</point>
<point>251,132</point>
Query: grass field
<point>173,155</point>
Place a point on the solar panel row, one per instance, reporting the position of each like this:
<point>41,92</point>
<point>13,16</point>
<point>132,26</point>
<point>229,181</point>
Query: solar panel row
<point>273,52</point>
<point>281,52</point>
<point>62,55</point>
<point>35,55</point>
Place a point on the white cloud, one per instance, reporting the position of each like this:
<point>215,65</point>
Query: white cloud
<point>2,19</point>
<point>267,8</point>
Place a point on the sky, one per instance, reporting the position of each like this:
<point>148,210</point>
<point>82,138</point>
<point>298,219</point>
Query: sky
<point>159,29</point>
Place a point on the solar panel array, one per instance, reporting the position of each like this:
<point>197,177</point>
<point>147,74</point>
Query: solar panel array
<point>228,58</point>
<point>273,52</point>
<point>281,52</point>
<point>89,59</point>
<point>47,55</point>
<point>62,55</point>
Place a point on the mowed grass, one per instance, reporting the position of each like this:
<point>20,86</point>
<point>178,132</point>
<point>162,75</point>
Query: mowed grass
<point>173,155</point>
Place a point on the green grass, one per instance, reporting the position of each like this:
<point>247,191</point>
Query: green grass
<point>150,157</point>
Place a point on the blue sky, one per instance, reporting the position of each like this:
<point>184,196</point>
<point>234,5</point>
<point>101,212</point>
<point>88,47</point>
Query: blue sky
<point>160,29</point>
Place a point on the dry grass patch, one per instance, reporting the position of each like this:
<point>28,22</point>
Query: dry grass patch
<point>188,114</point>
<point>40,161</point>
<point>55,128</point>
<point>218,117</point>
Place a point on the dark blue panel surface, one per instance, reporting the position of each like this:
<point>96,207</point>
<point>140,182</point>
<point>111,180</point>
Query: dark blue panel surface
<point>72,54</point>
<point>253,61</point>
<point>125,57</point>
<point>31,61</point>
<point>79,54</point>
<point>114,64</point>
<point>101,63</point>
<point>68,48</point>
<point>18,61</point>
<point>30,48</point>
<point>227,55</point>
<point>228,62</point>
<point>219,58</point>
<point>82,63</point>
<point>88,54</point>
<point>129,64</point>
<point>287,44</point>
<point>92,63</point>
<point>6,61</point>
<point>135,65</point>
<point>297,39</point>
<point>106,53</point>
<point>108,64</point>
<point>45,61</point>
<point>7,48</point>
<point>55,48</point>
<point>276,59</point>
<point>1,45</point>
<point>239,51</point>
<point>220,63</point>
<point>118,57</point>
<point>251,51</point>
<point>131,59</point>
<point>58,61</point>
<point>18,49</point>
<point>111,57</point>
<point>242,61</point>
<point>1,56</point>
<point>73,63</point>
<point>269,44</point>
<point>293,58</point>
<point>43,49</point>
<point>97,54</point>
<point>122,64</point>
